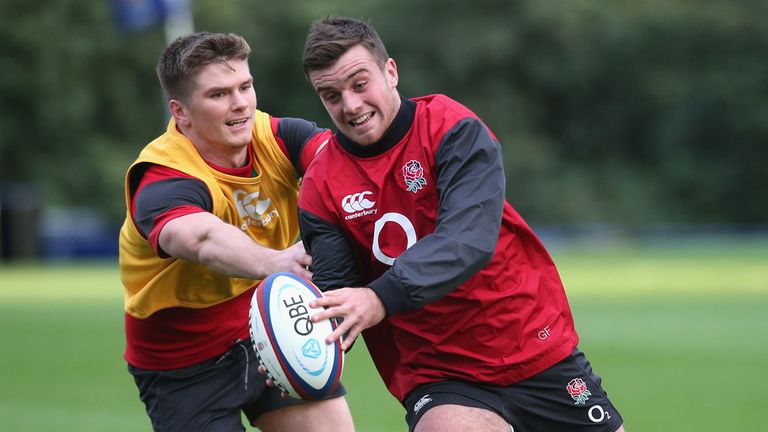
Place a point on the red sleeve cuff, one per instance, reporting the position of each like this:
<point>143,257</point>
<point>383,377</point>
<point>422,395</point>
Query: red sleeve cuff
<point>161,220</point>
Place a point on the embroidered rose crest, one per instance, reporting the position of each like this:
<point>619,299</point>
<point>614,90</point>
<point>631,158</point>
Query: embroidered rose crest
<point>577,388</point>
<point>413,174</point>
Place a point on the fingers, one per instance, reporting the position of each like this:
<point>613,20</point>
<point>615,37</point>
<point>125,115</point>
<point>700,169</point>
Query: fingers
<point>336,305</point>
<point>357,309</point>
<point>327,314</point>
<point>303,259</point>
<point>303,272</point>
<point>349,338</point>
<point>347,342</point>
<point>338,332</point>
<point>295,259</point>
<point>324,302</point>
<point>330,305</point>
<point>270,382</point>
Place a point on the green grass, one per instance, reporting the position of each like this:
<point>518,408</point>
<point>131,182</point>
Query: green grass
<point>676,331</point>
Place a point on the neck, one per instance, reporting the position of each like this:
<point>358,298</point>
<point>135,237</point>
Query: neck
<point>236,158</point>
<point>394,133</point>
<point>223,156</point>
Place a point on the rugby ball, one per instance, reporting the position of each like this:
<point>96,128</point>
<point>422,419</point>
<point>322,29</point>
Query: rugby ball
<point>291,347</point>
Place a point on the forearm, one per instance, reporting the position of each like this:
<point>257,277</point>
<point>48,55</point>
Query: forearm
<point>204,238</point>
<point>227,250</point>
<point>333,263</point>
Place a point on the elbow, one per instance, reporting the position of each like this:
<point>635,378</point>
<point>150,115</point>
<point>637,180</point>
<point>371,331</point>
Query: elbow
<point>200,249</point>
<point>486,257</point>
<point>482,259</point>
<point>481,251</point>
<point>203,255</point>
<point>475,257</point>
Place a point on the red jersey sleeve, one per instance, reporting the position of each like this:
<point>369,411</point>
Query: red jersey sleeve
<point>300,140</point>
<point>162,195</point>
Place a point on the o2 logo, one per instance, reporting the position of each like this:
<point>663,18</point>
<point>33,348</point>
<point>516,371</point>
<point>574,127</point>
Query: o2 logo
<point>401,221</point>
<point>597,414</point>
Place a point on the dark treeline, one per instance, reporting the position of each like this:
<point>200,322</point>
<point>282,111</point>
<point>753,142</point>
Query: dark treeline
<point>622,112</point>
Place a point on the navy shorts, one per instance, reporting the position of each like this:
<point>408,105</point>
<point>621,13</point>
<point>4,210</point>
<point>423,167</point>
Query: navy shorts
<point>210,395</point>
<point>566,397</point>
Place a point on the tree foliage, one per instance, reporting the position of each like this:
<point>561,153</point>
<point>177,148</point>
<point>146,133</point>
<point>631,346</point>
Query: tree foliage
<point>617,112</point>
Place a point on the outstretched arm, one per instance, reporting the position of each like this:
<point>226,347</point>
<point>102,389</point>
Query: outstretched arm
<point>204,238</point>
<point>173,212</point>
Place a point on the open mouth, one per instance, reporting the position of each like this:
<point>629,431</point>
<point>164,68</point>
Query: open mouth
<point>236,123</point>
<point>361,120</point>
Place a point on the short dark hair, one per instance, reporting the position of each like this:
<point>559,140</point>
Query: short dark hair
<point>329,38</point>
<point>183,58</point>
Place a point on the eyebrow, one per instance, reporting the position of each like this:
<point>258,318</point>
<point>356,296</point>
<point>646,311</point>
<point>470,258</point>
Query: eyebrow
<point>349,77</point>
<point>220,89</point>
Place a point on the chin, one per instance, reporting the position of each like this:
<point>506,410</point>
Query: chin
<point>243,139</point>
<point>368,139</point>
<point>361,137</point>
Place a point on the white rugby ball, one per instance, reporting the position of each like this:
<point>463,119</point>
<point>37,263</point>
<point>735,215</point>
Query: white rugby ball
<point>291,347</point>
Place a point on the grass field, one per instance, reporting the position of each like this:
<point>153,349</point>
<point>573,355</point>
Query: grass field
<point>677,330</point>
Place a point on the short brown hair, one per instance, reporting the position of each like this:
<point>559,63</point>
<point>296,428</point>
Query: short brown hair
<point>182,59</point>
<point>331,37</point>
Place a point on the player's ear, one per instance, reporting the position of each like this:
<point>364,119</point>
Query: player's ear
<point>179,112</point>
<point>390,70</point>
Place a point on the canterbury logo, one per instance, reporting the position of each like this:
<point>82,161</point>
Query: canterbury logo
<point>357,202</point>
<point>420,404</point>
<point>253,210</point>
<point>249,204</point>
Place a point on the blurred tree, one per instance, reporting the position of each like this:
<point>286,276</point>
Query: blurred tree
<point>649,103</point>
<point>622,112</point>
<point>78,100</point>
<point>609,112</point>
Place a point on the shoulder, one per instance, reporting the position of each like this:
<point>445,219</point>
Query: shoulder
<point>299,139</point>
<point>326,159</point>
<point>444,115</point>
<point>440,114</point>
<point>440,105</point>
<point>165,179</point>
<point>170,151</point>
<point>318,183</point>
<point>294,132</point>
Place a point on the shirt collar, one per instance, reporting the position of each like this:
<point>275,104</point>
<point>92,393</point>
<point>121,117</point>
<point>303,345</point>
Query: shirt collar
<point>393,135</point>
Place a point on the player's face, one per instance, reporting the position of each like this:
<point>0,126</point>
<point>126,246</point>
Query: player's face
<point>360,97</point>
<point>218,117</point>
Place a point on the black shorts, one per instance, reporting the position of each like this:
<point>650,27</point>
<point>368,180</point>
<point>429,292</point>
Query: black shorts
<point>210,395</point>
<point>565,397</point>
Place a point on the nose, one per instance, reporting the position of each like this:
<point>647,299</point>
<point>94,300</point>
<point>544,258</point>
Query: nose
<point>239,101</point>
<point>352,103</point>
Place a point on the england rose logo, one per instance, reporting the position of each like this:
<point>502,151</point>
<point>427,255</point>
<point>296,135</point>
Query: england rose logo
<point>577,388</point>
<point>413,174</point>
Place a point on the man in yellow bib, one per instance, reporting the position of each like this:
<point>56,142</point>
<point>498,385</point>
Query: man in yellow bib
<point>212,210</point>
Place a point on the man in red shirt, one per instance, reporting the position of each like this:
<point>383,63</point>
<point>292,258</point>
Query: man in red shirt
<point>404,214</point>
<point>212,208</point>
